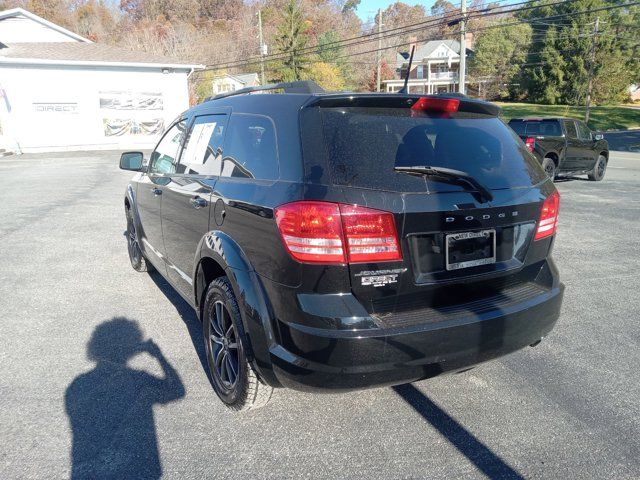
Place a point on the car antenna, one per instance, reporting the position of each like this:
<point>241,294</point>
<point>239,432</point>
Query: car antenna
<point>406,77</point>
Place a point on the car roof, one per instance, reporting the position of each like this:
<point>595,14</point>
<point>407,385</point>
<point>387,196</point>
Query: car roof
<point>308,93</point>
<point>293,102</point>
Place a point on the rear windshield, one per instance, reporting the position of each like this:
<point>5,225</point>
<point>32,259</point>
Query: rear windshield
<point>548,128</point>
<point>365,144</point>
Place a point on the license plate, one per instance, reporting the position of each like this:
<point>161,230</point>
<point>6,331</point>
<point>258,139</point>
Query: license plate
<point>470,249</point>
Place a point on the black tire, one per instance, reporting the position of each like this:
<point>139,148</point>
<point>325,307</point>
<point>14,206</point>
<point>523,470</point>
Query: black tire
<point>232,377</point>
<point>136,257</point>
<point>549,167</point>
<point>600,168</point>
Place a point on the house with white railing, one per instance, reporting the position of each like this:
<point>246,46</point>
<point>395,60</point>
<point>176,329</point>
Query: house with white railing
<point>435,68</point>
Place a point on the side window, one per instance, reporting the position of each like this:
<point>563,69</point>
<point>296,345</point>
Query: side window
<point>570,126</point>
<point>518,126</point>
<point>202,153</point>
<point>250,149</point>
<point>583,131</point>
<point>165,156</point>
<point>548,128</point>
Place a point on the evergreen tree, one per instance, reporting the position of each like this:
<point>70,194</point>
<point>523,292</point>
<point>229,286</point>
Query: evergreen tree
<point>544,79</point>
<point>333,53</point>
<point>498,56</point>
<point>291,37</point>
<point>560,52</point>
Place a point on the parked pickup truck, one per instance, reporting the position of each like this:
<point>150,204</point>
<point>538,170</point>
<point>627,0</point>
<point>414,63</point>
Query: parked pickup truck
<point>564,145</point>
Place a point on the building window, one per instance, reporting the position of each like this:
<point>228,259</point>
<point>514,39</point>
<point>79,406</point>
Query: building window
<point>226,87</point>
<point>420,72</point>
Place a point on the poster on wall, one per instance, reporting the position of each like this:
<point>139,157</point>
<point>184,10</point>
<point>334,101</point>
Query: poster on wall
<point>117,127</point>
<point>131,113</point>
<point>118,100</point>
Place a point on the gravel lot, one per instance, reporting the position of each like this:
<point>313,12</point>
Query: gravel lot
<point>569,408</point>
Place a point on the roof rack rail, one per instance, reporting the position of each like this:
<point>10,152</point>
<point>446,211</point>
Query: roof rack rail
<point>302,86</point>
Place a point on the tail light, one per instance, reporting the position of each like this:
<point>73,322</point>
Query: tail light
<point>444,105</point>
<point>530,142</point>
<point>548,222</point>
<point>312,231</point>
<point>370,234</point>
<point>323,232</point>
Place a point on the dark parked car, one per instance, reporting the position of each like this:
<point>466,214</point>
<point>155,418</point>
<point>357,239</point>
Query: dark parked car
<point>342,241</point>
<point>564,145</point>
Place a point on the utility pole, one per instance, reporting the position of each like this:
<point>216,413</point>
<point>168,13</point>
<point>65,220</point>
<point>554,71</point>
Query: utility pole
<point>379,48</point>
<point>463,46</point>
<point>262,47</point>
<point>591,65</point>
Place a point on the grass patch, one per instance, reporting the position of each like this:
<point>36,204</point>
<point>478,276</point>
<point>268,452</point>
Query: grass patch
<point>602,117</point>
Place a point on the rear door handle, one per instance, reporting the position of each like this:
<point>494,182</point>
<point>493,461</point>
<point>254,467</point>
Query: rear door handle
<point>198,202</point>
<point>156,191</point>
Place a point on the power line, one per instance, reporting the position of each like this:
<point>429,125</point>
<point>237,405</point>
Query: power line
<point>595,10</point>
<point>403,30</point>
<point>342,44</point>
<point>309,62</point>
<point>374,63</point>
<point>502,25</point>
<point>434,21</point>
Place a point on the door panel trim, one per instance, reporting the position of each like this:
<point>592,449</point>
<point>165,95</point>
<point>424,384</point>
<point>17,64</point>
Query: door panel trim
<point>183,275</point>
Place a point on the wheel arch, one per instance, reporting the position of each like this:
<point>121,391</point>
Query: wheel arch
<point>553,156</point>
<point>219,255</point>
<point>130,204</point>
<point>216,254</point>
<point>128,197</point>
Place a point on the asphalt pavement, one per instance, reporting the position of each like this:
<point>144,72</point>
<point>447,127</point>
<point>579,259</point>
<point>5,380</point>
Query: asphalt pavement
<point>569,408</point>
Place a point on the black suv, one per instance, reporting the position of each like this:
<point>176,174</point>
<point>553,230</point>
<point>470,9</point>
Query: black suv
<point>564,145</point>
<point>342,241</point>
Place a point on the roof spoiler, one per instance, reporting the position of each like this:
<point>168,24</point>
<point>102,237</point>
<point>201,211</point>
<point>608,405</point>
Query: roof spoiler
<point>395,100</point>
<point>303,86</point>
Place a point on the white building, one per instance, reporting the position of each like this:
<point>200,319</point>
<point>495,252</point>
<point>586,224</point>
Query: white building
<point>60,91</point>
<point>230,83</point>
<point>435,68</point>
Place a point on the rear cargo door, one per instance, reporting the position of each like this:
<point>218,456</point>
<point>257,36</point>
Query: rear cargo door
<point>447,231</point>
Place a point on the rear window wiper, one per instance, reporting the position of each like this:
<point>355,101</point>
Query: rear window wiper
<point>456,175</point>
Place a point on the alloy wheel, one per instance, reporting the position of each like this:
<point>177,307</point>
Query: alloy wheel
<point>602,165</point>
<point>550,170</point>
<point>223,345</point>
<point>132,241</point>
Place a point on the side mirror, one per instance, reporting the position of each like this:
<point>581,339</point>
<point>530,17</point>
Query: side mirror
<point>131,161</point>
<point>598,136</point>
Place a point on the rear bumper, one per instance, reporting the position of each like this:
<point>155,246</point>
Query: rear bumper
<point>324,359</point>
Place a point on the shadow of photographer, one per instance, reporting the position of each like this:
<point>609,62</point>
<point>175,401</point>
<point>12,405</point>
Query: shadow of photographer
<point>110,408</point>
